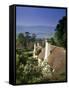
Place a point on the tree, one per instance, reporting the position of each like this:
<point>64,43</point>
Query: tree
<point>21,38</point>
<point>33,37</point>
<point>27,38</point>
<point>60,34</point>
<point>51,41</point>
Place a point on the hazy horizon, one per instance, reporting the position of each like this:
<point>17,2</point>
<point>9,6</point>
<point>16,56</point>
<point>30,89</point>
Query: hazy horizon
<point>41,21</point>
<point>40,31</point>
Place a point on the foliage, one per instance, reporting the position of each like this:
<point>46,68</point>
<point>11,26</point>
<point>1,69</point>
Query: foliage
<point>46,70</point>
<point>60,35</point>
<point>25,40</point>
<point>21,38</point>
<point>52,41</point>
<point>28,70</point>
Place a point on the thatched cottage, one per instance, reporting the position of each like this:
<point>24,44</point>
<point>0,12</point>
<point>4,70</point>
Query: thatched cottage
<point>55,56</point>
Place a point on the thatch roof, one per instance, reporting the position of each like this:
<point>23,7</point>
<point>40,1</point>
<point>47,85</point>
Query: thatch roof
<point>42,54</point>
<point>57,59</point>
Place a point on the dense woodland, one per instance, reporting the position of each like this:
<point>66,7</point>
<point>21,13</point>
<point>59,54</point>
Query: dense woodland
<point>27,69</point>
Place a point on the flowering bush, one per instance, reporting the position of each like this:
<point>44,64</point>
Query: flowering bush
<point>46,70</point>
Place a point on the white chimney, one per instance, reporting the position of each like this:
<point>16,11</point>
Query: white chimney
<point>34,51</point>
<point>46,50</point>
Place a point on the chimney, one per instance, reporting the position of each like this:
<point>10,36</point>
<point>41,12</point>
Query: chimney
<point>46,50</point>
<point>34,50</point>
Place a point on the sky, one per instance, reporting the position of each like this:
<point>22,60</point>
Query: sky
<point>36,17</point>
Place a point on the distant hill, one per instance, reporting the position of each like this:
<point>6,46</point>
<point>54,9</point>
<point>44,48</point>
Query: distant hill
<point>40,31</point>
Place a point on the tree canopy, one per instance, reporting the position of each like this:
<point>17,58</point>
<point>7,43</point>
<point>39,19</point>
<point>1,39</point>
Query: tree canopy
<point>61,30</point>
<point>60,36</point>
